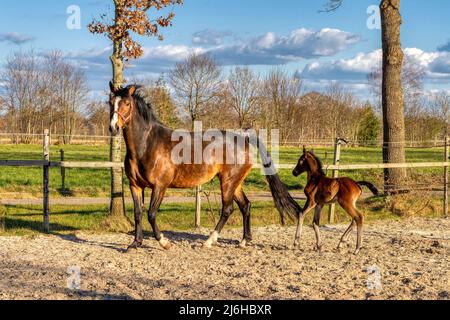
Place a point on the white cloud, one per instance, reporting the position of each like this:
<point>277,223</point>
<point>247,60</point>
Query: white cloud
<point>273,49</point>
<point>210,37</point>
<point>267,49</point>
<point>435,64</point>
<point>15,38</point>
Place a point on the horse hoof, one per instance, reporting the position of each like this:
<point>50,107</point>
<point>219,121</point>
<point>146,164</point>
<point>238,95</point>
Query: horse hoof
<point>243,244</point>
<point>318,249</point>
<point>164,243</point>
<point>357,251</point>
<point>207,245</point>
<point>133,246</point>
<point>212,239</point>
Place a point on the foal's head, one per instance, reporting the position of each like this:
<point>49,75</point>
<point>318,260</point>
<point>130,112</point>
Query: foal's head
<point>309,163</point>
<point>122,105</point>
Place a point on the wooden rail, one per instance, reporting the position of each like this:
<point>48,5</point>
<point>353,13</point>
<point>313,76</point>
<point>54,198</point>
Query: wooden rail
<point>335,168</point>
<point>109,165</point>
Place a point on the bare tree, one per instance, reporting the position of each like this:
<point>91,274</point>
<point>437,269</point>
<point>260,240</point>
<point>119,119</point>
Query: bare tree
<point>196,82</point>
<point>281,93</point>
<point>97,118</point>
<point>243,88</point>
<point>42,92</point>
<point>440,104</point>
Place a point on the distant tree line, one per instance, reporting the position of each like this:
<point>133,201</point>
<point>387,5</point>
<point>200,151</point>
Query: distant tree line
<point>50,92</point>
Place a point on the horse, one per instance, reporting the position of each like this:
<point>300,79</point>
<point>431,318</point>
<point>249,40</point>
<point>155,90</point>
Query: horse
<point>149,163</point>
<point>321,190</point>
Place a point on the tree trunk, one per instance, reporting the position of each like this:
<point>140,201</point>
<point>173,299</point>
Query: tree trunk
<point>117,195</point>
<point>392,97</point>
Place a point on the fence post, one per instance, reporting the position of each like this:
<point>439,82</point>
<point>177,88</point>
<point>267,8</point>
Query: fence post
<point>63,172</point>
<point>446,176</point>
<point>46,151</point>
<point>2,218</point>
<point>198,206</point>
<point>337,160</point>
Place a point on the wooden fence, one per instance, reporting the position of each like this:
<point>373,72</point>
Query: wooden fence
<point>336,167</point>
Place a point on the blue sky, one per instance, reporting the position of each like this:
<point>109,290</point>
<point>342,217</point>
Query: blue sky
<point>321,47</point>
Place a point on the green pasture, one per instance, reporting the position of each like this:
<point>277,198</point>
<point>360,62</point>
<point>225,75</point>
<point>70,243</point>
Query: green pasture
<point>95,183</point>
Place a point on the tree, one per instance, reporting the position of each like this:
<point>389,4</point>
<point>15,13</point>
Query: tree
<point>281,92</point>
<point>392,91</point>
<point>243,89</point>
<point>440,104</point>
<point>130,16</point>
<point>196,82</point>
<point>42,93</point>
<point>158,94</point>
<point>370,126</point>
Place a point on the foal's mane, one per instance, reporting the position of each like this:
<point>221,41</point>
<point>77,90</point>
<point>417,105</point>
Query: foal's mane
<point>318,161</point>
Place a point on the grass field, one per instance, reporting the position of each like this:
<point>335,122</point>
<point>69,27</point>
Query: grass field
<point>27,182</point>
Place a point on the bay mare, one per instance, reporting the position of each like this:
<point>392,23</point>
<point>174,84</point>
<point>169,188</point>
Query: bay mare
<point>149,163</point>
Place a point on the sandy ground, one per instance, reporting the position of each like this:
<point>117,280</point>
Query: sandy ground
<point>401,260</point>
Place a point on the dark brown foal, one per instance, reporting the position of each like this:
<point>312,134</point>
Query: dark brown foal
<point>321,190</point>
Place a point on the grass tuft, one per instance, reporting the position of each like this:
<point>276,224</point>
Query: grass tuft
<point>113,223</point>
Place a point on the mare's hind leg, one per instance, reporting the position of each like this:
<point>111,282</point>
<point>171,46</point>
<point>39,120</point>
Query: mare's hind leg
<point>228,190</point>
<point>244,205</point>
<point>316,225</point>
<point>137,192</point>
<point>347,233</point>
<point>155,203</point>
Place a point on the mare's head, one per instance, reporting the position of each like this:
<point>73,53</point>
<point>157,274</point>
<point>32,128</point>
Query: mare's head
<point>308,162</point>
<point>122,105</point>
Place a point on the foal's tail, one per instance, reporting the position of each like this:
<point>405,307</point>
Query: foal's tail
<point>371,187</point>
<point>283,200</point>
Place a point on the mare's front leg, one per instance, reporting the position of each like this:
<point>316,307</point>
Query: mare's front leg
<point>310,205</point>
<point>155,203</point>
<point>137,193</point>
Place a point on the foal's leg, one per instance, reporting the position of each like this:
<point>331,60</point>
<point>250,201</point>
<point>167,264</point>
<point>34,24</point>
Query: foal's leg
<point>359,224</point>
<point>155,203</point>
<point>347,233</point>
<point>350,206</point>
<point>244,205</point>
<point>310,205</point>
<point>136,192</point>
<point>298,233</point>
<point>316,225</point>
